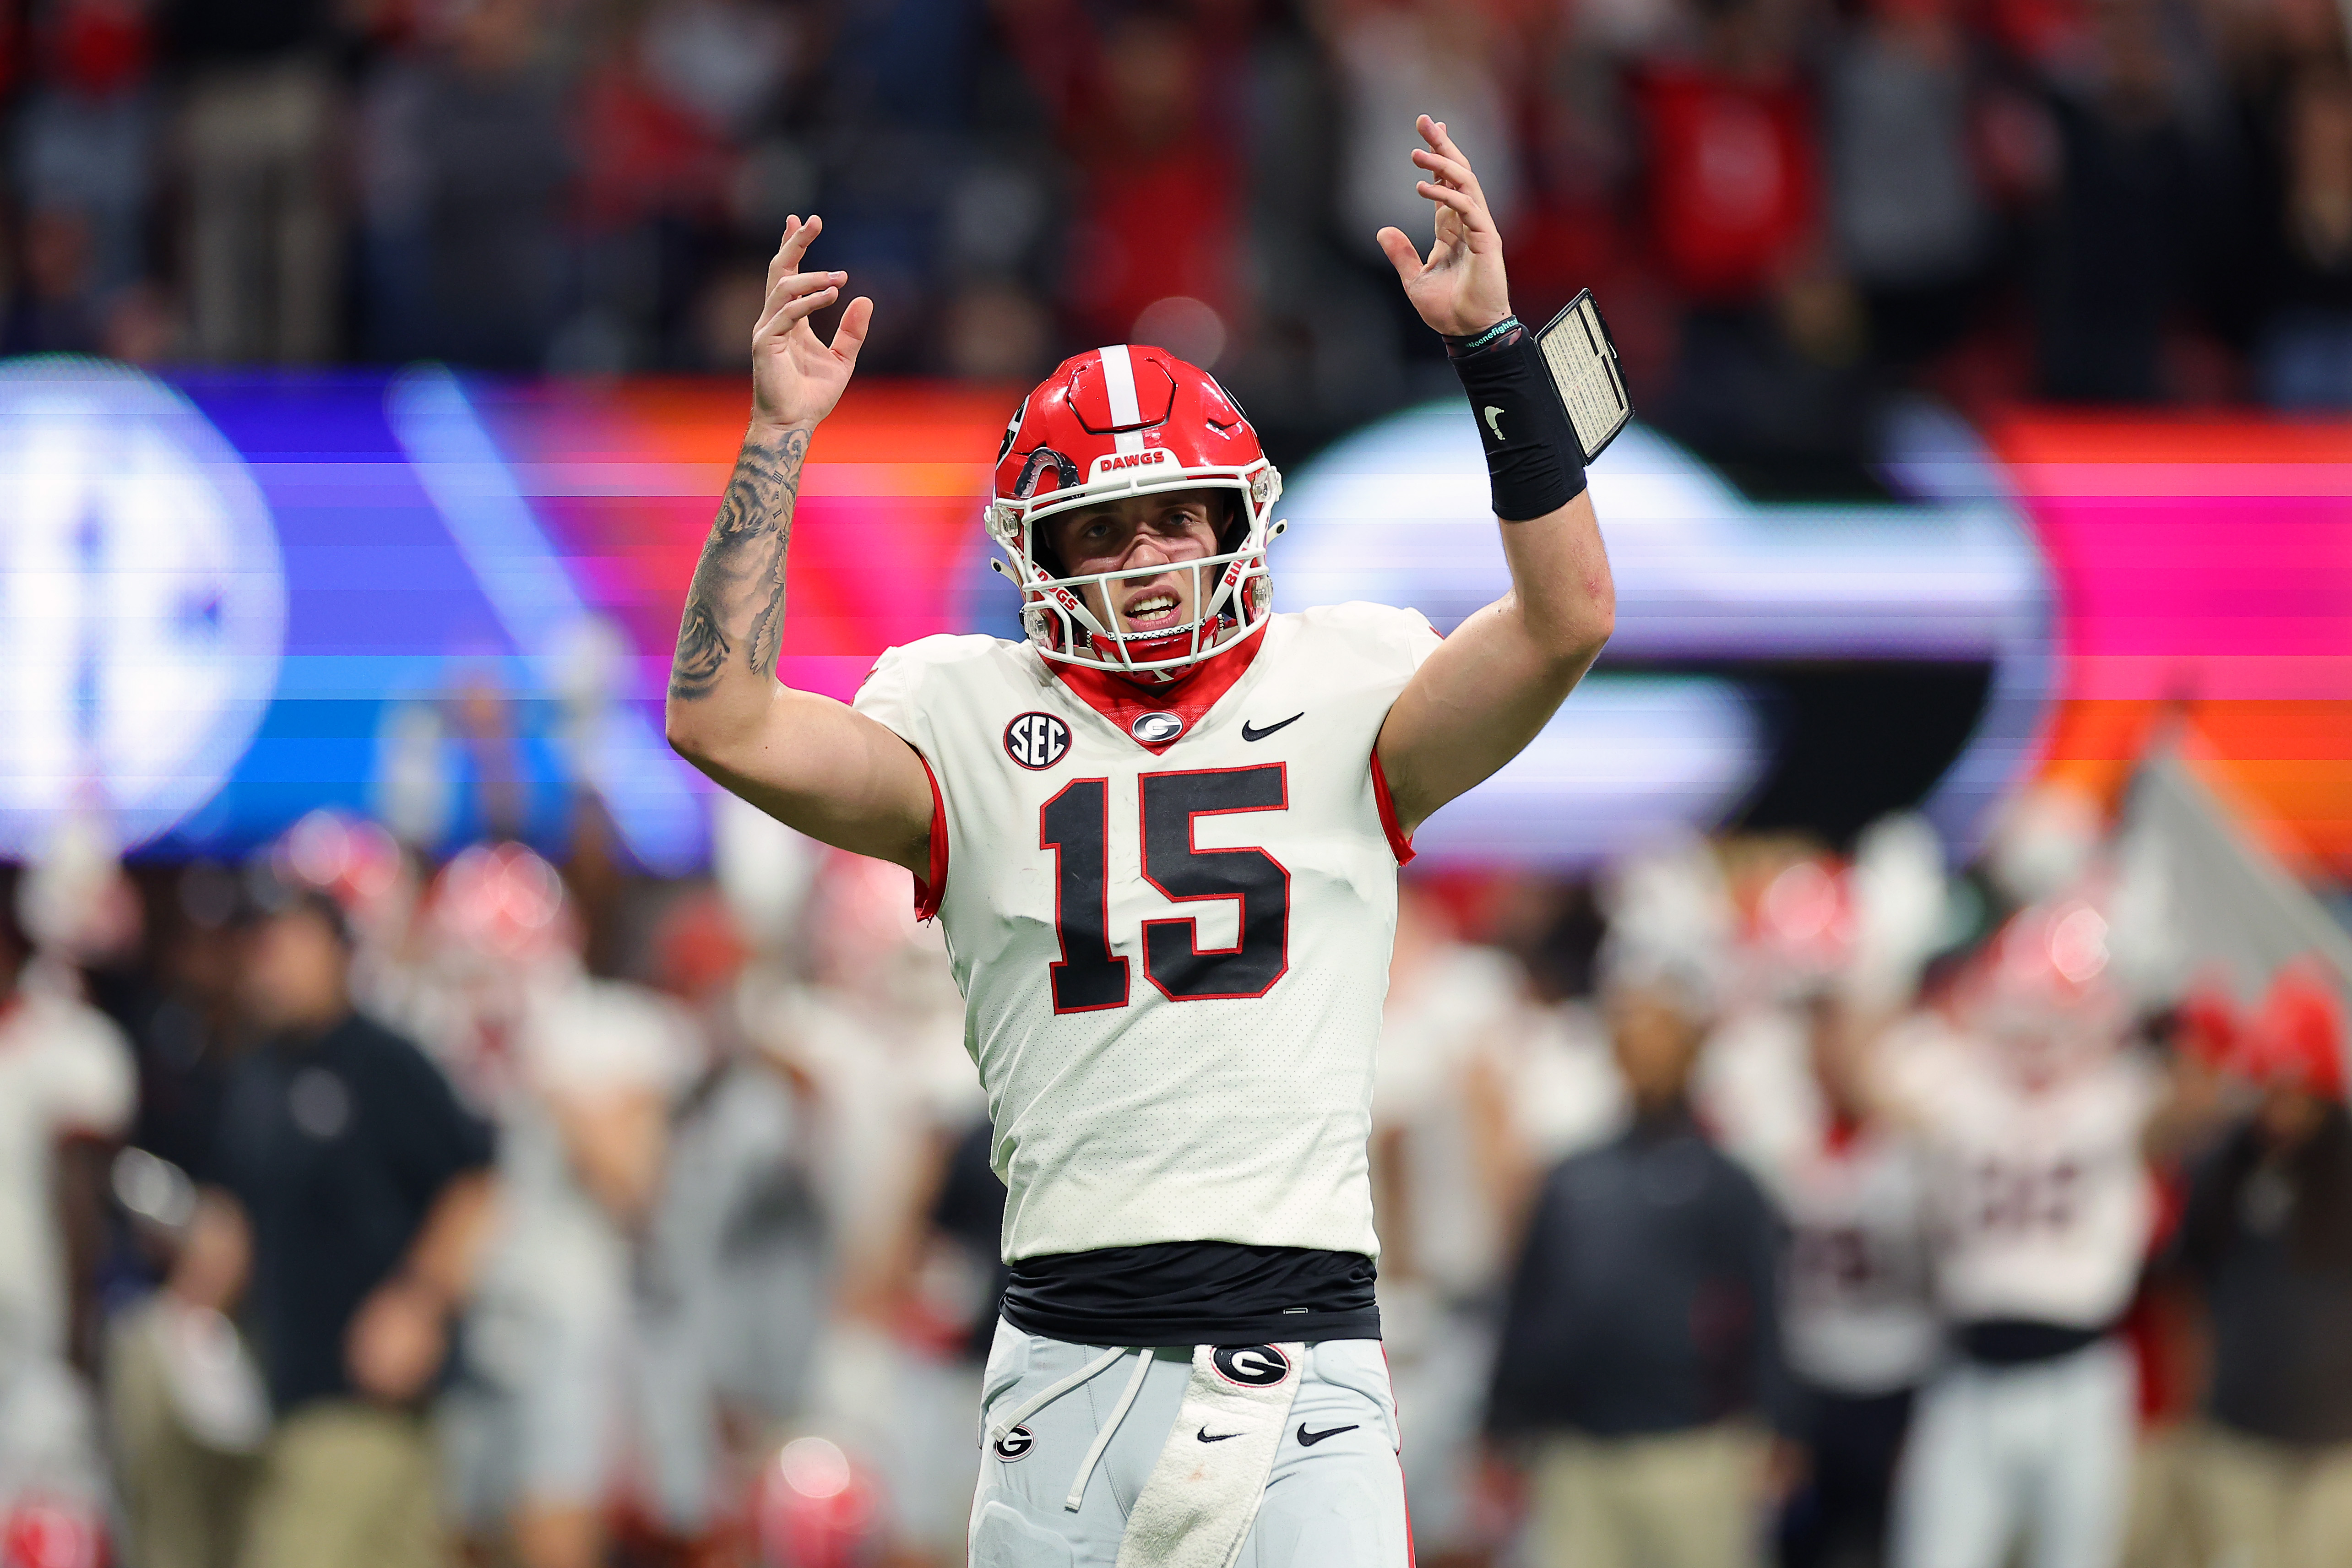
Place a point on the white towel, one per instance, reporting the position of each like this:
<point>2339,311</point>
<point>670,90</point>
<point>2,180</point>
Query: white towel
<point>1202,1496</point>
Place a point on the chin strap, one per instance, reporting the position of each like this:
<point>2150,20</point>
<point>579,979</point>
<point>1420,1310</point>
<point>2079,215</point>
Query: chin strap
<point>1159,681</point>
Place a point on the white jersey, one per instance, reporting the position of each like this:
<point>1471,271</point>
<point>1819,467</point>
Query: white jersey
<point>1858,1315</point>
<point>1170,923</point>
<point>2043,1202</point>
<point>65,1069</point>
<point>579,1039</point>
<point>1437,1035</point>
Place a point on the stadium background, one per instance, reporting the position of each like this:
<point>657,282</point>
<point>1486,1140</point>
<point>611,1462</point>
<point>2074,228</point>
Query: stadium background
<point>376,369</point>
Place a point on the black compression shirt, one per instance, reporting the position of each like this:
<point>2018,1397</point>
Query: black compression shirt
<point>1193,1292</point>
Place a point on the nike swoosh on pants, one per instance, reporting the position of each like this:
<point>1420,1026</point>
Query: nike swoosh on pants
<point>1307,1439</point>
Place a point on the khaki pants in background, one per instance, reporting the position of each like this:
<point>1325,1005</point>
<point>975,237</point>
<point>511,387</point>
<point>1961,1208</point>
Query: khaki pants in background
<point>2164,1526</point>
<point>2274,1505</point>
<point>183,1502</point>
<point>1682,1499</point>
<point>351,1485</point>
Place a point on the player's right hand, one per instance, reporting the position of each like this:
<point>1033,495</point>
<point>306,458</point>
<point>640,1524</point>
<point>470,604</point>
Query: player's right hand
<point>796,376</point>
<point>1460,289</point>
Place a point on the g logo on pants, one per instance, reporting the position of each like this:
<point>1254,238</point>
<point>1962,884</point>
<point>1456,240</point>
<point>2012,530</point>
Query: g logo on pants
<point>1251,1365</point>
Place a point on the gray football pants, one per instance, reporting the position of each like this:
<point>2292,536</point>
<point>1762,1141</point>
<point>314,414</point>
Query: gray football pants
<point>1337,1502</point>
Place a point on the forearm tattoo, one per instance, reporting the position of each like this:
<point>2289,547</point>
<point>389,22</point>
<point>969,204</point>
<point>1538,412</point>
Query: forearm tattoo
<point>737,598</point>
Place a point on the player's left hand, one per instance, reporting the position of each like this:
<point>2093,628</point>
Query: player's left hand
<point>1460,289</point>
<point>396,1341</point>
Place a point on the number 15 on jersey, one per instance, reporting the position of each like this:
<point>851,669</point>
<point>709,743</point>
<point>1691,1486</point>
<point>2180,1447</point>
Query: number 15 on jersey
<point>1075,826</point>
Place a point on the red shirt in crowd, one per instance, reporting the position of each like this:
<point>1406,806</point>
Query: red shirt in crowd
<point>1733,188</point>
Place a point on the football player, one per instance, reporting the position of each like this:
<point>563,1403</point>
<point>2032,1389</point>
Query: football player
<point>1162,832</point>
<point>2034,1119</point>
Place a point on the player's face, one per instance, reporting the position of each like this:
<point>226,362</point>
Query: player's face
<point>1837,1047</point>
<point>295,972</point>
<point>1140,531</point>
<point>2289,1115</point>
<point>1655,1042</point>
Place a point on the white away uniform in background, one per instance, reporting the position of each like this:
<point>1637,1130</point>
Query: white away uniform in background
<point>2043,1211</point>
<point>1171,920</point>
<point>539,1414</point>
<point>65,1071</point>
<point>1857,1318</point>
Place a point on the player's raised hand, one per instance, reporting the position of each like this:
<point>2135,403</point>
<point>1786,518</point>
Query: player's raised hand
<point>796,376</point>
<point>1460,289</point>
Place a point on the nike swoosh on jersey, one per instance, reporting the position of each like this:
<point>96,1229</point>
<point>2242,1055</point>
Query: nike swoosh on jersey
<point>1494,421</point>
<point>1250,732</point>
<point>1307,1439</point>
<point>1218,1439</point>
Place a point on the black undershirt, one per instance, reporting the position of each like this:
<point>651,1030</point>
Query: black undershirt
<point>2020,1341</point>
<point>1193,1292</point>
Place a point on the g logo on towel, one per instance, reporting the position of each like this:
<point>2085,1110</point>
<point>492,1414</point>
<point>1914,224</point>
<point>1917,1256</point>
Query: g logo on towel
<point>1015,1443</point>
<point>1251,1365</point>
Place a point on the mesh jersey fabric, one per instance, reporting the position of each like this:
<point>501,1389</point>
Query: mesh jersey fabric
<point>1183,1050</point>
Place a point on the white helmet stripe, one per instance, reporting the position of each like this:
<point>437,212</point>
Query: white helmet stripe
<point>1118,380</point>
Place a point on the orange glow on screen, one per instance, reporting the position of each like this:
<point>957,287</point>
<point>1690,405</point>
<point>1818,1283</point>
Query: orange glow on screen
<point>889,504</point>
<point>2204,576</point>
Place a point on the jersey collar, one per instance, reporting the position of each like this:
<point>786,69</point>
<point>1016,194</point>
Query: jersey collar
<point>1126,705</point>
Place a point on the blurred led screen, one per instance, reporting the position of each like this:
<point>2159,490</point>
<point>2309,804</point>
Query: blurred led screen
<point>2202,568</point>
<point>229,600</point>
<point>449,601</point>
<point>1795,666</point>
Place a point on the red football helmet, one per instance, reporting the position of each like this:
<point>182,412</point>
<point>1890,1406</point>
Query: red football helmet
<point>52,1532</point>
<point>2041,993</point>
<point>2297,1037</point>
<point>815,1507</point>
<point>501,904</point>
<point>355,861</point>
<point>1805,924</point>
<point>1133,421</point>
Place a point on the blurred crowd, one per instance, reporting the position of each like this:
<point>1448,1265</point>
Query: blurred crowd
<point>1749,1203</point>
<point>1787,206</point>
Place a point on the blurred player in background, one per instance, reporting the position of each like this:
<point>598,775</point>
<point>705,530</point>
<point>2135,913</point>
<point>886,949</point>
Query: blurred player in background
<point>1162,835</point>
<point>877,1035</point>
<point>1830,954</point>
<point>1859,1317</point>
<point>583,1071</point>
<point>1444,1156</point>
<point>66,1075</point>
<point>2033,1118</point>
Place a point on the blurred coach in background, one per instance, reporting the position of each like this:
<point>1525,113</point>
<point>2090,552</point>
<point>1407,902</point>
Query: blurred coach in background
<point>1640,1343</point>
<point>357,1193</point>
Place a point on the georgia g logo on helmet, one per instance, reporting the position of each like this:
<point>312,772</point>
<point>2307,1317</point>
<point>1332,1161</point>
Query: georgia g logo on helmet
<point>1132,420</point>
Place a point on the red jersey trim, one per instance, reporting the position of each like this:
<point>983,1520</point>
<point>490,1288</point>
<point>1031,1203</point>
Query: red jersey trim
<point>1122,701</point>
<point>1399,841</point>
<point>930,889</point>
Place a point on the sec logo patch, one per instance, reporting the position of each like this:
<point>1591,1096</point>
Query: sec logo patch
<point>1036,740</point>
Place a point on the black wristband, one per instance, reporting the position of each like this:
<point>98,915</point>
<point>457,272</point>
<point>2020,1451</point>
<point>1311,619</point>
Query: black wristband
<point>1534,464</point>
<point>1469,343</point>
